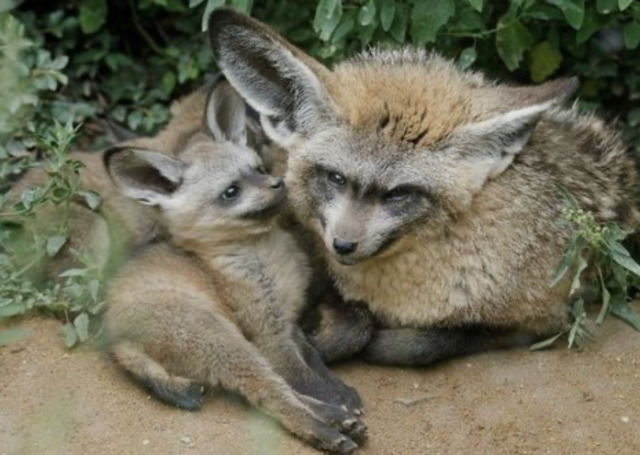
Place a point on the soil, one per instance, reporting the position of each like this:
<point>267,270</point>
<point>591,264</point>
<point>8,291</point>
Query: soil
<point>559,401</point>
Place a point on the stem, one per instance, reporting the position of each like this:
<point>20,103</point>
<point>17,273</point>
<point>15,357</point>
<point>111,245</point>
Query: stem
<point>143,33</point>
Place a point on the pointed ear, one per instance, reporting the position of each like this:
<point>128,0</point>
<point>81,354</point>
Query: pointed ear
<point>148,176</point>
<point>279,81</point>
<point>225,114</point>
<point>490,146</point>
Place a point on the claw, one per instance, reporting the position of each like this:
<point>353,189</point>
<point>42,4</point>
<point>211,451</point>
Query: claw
<point>349,423</point>
<point>346,445</point>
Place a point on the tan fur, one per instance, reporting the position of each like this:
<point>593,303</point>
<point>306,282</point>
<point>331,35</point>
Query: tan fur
<point>476,243</point>
<point>216,305</point>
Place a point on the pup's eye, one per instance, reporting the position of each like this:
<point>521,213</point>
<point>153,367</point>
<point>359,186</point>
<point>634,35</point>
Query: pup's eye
<point>397,195</point>
<point>336,179</point>
<point>261,170</point>
<point>231,193</point>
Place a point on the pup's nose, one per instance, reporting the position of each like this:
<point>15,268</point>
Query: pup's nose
<point>344,247</point>
<point>278,184</point>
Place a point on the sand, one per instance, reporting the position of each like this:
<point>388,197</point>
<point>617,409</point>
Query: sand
<point>559,401</point>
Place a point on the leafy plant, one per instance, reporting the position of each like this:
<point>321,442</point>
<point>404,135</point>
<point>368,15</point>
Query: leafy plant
<point>25,243</point>
<point>595,258</point>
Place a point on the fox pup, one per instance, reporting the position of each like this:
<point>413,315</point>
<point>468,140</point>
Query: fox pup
<point>105,234</point>
<point>435,195</point>
<point>216,304</point>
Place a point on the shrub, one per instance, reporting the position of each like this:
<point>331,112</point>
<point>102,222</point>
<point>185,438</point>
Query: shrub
<point>62,63</point>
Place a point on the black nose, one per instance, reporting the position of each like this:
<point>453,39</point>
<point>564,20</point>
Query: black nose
<point>278,184</point>
<point>344,247</point>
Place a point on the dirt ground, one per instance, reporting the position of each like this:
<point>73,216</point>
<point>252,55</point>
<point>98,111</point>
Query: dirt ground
<point>54,401</point>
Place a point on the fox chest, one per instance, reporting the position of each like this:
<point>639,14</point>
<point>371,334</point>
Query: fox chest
<point>278,277</point>
<point>449,284</point>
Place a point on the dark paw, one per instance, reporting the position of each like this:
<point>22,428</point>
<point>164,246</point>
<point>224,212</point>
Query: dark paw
<point>351,398</point>
<point>325,438</point>
<point>187,396</point>
<point>338,417</point>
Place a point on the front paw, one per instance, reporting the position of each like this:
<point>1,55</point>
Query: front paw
<point>338,418</point>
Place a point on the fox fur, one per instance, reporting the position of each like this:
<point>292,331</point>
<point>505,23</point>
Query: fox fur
<point>103,236</point>
<point>435,195</point>
<point>217,303</point>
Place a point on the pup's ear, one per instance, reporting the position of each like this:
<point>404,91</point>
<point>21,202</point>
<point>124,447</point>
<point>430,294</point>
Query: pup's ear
<point>279,81</point>
<point>147,176</point>
<point>489,147</point>
<point>225,114</point>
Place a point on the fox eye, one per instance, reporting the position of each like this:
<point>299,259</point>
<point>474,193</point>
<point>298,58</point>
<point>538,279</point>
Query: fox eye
<point>261,170</point>
<point>397,195</point>
<point>231,193</point>
<point>336,179</point>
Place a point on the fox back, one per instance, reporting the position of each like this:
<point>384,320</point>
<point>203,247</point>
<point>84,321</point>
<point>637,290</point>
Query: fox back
<point>434,193</point>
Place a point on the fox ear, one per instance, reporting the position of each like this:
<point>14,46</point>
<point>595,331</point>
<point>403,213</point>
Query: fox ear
<point>490,146</point>
<point>147,176</point>
<point>225,114</point>
<point>280,82</point>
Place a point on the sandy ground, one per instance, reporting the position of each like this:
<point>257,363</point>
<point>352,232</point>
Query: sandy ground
<point>54,401</point>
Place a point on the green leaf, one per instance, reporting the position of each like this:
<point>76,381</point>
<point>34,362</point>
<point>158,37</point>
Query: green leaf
<point>92,199</point>
<point>343,30</point>
<point>512,39</point>
<point>81,324</point>
<point>93,15</point>
<point>625,312</point>
<point>55,243</point>
<point>567,259</point>
<point>477,5</point>
<point>327,18</point>
<point>242,5</point>
<point>73,272</point>
<point>13,309</point>
<point>367,13</point>
<point>606,6</point>
<point>616,247</point>
<point>69,334</point>
<point>545,59</point>
<point>400,22</point>
<point>625,261</point>
<point>575,284</point>
<point>12,335</point>
<point>624,4</point>
<point>387,13</point>
<point>573,11</point>
<point>427,17</point>
<point>467,57</point>
<point>211,5</point>
<point>194,3</point>
<point>606,300</point>
<point>545,343</point>
<point>631,33</point>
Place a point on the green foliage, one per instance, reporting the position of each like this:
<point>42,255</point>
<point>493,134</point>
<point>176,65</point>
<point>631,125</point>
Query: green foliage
<point>63,63</point>
<point>595,259</point>
<point>77,294</point>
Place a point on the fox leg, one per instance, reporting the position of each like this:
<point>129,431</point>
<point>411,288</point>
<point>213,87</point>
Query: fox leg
<point>326,385</point>
<point>237,365</point>
<point>425,346</point>
<point>175,390</point>
<point>340,329</point>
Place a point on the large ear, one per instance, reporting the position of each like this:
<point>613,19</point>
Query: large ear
<point>489,146</point>
<point>150,177</point>
<point>279,81</point>
<point>225,114</point>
